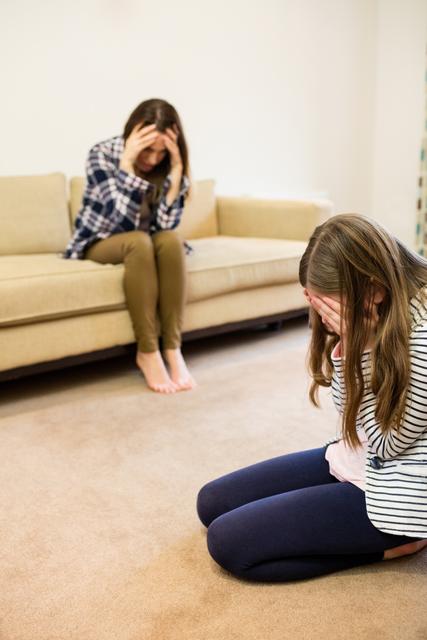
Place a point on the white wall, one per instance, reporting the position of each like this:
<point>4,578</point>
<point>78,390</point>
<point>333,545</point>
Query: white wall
<point>277,97</point>
<point>399,114</point>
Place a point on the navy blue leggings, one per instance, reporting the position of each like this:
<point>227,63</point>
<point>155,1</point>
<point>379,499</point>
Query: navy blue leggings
<point>288,518</point>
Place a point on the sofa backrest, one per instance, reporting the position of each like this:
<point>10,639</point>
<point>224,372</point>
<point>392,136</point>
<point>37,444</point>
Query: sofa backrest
<point>199,219</point>
<point>33,214</point>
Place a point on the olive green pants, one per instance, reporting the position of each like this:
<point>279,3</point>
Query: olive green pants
<point>154,283</point>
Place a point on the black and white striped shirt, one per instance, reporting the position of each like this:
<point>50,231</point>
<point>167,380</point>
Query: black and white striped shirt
<point>396,462</point>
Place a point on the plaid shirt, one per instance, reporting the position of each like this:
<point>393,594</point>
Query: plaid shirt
<point>112,200</point>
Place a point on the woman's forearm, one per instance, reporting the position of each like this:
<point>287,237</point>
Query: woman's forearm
<point>173,192</point>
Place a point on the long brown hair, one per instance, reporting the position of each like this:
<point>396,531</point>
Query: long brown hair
<point>164,116</point>
<point>349,255</point>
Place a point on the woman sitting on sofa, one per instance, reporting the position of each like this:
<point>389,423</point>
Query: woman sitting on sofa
<point>133,200</point>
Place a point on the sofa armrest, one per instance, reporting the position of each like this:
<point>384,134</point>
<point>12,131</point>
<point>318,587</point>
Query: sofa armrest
<point>260,218</point>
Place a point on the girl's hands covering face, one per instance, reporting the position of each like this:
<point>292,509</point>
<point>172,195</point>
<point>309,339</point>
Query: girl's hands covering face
<point>332,314</point>
<point>330,311</point>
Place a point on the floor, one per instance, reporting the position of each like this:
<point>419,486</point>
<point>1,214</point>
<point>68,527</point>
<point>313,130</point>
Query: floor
<point>99,533</point>
<point>35,392</point>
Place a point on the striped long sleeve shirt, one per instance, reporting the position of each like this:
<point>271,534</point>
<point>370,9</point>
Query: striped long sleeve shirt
<point>396,462</point>
<point>112,200</point>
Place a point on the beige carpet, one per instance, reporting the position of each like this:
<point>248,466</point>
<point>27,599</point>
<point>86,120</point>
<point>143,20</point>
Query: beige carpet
<point>99,534</point>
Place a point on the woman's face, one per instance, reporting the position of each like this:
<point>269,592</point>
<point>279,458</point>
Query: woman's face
<point>152,155</point>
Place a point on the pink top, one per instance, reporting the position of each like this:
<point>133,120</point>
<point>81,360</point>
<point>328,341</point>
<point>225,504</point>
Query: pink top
<point>348,465</point>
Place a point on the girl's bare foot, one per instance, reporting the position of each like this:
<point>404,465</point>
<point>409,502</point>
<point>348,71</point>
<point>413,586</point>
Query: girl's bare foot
<point>178,369</point>
<point>154,370</point>
<point>404,549</point>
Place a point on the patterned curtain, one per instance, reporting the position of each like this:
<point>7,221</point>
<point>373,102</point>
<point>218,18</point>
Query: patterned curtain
<point>422,191</point>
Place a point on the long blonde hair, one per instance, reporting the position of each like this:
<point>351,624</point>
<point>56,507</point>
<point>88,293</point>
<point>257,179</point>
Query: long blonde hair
<point>348,256</point>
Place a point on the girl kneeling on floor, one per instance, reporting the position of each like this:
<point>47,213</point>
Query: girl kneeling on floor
<point>362,498</point>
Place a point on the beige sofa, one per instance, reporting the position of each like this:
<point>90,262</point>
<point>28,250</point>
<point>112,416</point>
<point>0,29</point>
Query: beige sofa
<point>55,312</point>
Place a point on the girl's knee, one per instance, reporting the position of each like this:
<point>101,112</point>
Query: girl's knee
<point>225,545</point>
<point>210,502</point>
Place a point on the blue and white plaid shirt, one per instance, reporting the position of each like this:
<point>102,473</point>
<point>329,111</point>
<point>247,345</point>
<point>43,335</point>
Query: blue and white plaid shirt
<point>112,200</point>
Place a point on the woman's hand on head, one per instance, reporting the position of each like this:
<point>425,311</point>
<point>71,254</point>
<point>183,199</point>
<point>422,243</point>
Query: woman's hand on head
<point>170,138</point>
<point>140,138</point>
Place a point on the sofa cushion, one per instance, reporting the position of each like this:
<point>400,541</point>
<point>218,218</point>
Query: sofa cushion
<point>223,264</point>
<point>199,218</point>
<point>39,287</point>
<point>33,214</point>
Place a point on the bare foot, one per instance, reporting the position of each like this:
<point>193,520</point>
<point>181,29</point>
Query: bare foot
<point>178,369</point>
<point>154,370</point>
<point>404,549</point>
